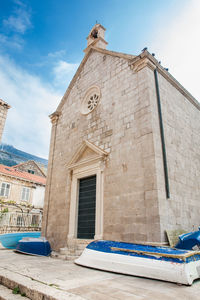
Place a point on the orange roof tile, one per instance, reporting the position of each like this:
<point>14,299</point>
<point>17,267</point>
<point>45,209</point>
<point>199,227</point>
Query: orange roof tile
<point>10,171</point>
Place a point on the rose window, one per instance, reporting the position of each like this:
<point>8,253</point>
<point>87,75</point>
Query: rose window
<point>91,100</point>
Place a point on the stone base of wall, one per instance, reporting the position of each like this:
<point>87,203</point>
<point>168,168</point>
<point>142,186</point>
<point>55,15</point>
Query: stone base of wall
<point>73,250</point>
<point>10,229</point>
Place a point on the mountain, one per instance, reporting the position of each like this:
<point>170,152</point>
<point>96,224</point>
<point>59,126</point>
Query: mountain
<point>11,156</point>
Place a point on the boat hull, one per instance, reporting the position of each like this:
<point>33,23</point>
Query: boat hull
<point>169,268</point>
<point>34,246</point>
<point>10,240</point>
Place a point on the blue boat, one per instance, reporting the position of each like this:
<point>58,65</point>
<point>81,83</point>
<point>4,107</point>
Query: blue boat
<point>10,240</point>
<point>34,246</point>
<point>189,240</point>
<point>163,263</point>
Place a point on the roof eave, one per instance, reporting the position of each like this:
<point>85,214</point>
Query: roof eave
<point>154,64</point>
<point>23,179</point>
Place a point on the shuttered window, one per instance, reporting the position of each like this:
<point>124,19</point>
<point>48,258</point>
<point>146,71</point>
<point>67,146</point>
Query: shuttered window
<point>5,189</point>
<point>25,194</point>
<point>87,208</point>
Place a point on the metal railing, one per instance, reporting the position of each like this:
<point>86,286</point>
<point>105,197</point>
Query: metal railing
<point>20,219</point>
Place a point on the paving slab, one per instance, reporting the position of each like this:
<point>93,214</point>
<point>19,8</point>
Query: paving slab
<point>45,278</point>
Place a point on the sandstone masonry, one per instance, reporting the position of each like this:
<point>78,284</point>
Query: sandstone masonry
<point>119,142</point>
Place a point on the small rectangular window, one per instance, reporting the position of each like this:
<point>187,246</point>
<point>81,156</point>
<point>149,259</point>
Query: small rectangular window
<point>5,188</point>
<point>31,172</point>
<point>25,194</point>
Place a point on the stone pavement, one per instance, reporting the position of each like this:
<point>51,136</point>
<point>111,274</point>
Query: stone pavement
<point>42,278</point>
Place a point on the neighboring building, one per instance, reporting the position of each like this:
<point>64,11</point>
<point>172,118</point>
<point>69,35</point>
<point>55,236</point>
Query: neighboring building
<point>3,114</point>
<point>124,159</point>
<point>21,187</point>
<point>43,168</point>
<point>31,167</point>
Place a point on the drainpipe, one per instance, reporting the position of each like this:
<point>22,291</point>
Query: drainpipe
<point>162,135</point>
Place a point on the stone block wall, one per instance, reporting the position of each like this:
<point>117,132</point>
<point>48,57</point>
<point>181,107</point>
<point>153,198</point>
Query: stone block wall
<point>121,125</point>
<point>126,125</point>
<point>181,120</point>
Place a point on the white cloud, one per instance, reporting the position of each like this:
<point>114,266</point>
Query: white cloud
<point>177,46</point>
<point>60,71</point>
<point>56,54</point>
<point>15,26</point>
<point>27,125</point>
<point>63,73</point>
<point>16,42</point>
<point>19,21</point>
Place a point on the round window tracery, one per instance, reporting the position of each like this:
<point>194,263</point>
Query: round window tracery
<point>91,100</point>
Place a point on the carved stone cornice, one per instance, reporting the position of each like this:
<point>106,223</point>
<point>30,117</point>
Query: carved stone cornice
<point>54,118</point>
<point>145,59</point>
<point>142,63</point>
<point>96,154</point>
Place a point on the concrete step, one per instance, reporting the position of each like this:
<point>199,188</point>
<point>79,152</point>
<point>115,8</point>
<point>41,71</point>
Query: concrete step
<point>59,256</point>
<point>72,251</point>
<point>81,246</point>
<point>68,256</point>
<point>54,254</point>
<point>7,294</point>
<point>78,252</point>
<point>83,241</point>
<point>71,257</point>
<point>64,251</point>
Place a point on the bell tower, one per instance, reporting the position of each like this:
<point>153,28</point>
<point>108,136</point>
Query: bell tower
<point>96,37</point>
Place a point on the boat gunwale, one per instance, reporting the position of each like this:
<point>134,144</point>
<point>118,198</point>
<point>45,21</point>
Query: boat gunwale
<point>179,256</point>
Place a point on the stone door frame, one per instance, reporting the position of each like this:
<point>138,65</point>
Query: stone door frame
<point>90,166</point>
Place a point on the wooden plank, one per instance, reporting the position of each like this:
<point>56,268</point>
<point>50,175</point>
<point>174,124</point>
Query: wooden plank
<point>173,236</point>
<point>179,256</point>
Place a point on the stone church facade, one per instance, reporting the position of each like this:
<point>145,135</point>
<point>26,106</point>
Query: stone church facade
<point>124,161</point>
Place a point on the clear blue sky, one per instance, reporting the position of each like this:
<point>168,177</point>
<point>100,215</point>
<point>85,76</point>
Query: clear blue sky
<point>42,42</point>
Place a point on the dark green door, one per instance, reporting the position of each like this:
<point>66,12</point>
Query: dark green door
<point>87,208</point>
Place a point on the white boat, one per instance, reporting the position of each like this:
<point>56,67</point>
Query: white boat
<point>163,263</point>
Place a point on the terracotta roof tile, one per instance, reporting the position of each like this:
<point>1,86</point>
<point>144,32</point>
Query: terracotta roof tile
<point>10,171</point>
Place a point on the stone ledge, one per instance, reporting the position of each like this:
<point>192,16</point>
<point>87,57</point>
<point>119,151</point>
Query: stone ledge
<point>34,290</point>
<point>6,294</point>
